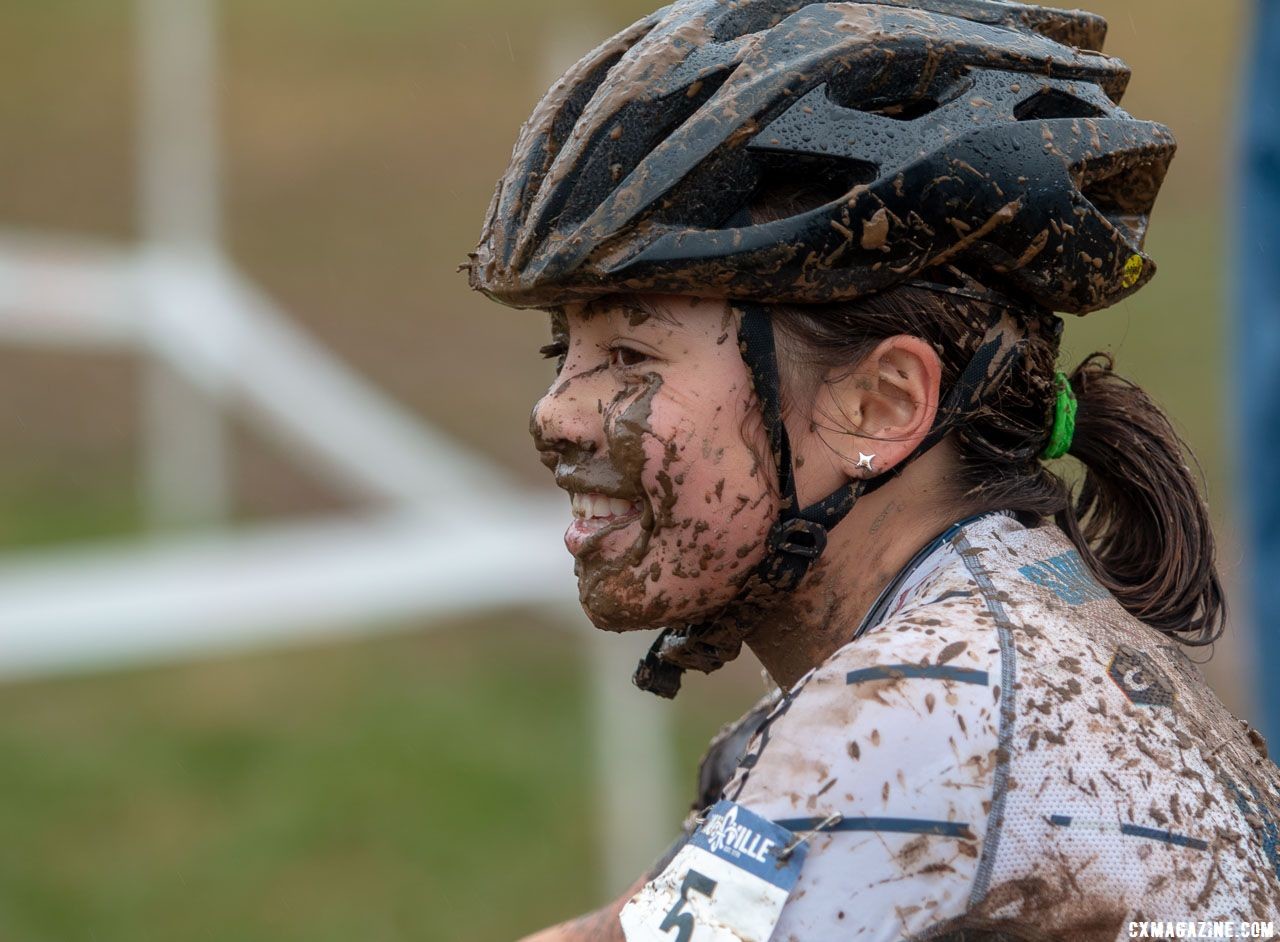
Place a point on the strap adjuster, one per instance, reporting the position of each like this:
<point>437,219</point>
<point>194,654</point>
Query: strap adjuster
<point>798,537</point>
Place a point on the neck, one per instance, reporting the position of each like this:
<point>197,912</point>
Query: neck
<point>864,553</point>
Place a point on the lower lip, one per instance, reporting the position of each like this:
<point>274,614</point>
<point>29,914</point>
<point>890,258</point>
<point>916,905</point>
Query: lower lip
<point>585,530</point>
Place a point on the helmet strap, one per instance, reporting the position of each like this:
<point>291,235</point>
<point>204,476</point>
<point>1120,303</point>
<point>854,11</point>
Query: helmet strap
<point>800,535</point>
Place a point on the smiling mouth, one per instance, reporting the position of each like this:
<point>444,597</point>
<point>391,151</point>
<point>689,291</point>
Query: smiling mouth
<point>594,516</point>
<point>595,506</point>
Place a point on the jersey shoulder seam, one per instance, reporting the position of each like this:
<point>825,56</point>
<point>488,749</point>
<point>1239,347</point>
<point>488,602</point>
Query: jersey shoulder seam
<point>972,559</point>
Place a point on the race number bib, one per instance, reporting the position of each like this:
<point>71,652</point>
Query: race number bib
<point>727,884</point>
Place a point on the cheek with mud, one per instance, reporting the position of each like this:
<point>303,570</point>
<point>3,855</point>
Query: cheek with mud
<point>706,511</point>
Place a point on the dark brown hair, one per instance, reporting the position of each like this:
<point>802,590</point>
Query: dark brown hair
<point>1136,516</point>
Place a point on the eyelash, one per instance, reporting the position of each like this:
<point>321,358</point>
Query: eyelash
<point>617,351</point>
<point>559,350</point>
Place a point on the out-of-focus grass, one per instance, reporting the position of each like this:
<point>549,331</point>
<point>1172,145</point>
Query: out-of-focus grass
<point>417,787</point>
<point>42,508</point>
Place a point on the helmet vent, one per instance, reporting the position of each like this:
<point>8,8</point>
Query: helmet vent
<point>849,91</point>
<point>753,16</point>
<point>906,110</point>
<point>789,184</point>
<point>1125,199</point>
<point>561,126</point>
<point>1052,103</point>
<point>618,148</point>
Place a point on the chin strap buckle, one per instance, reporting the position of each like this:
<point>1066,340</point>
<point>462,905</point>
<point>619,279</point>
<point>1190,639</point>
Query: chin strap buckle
<point>793,546</point>
<point>658,676</point>
<point>798,537</point>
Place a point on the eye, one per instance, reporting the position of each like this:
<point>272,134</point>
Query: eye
<point>622,357</point>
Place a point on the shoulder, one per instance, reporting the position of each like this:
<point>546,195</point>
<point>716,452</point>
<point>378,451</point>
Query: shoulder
<point>1124,779</point>
<point>996,640</point>
<point>920,690</point>
<point>897,734</point>
<point>1007,728</point>
<point>1011,725</point>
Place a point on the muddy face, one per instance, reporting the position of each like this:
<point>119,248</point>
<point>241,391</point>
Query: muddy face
<point>652,428</point>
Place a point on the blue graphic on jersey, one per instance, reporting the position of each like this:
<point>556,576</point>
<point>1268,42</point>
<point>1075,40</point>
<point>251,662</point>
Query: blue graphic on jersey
<point>741,837</point>
<point>965,675</point>
<point>1167,837</point>
<point>1137,830</point>
<point>894,825</point>
<point>1266,832</point>
<point>1067,577</point>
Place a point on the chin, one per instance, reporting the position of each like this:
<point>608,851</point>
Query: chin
<point>683,571</point>
<point>631,601</point>
<point>621,601</point>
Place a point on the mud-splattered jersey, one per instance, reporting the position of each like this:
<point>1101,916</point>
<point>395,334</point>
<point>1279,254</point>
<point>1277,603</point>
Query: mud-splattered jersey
<point>1003,740</point>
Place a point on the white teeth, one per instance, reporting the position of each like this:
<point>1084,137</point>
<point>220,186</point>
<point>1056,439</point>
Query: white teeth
<point>599,506</point>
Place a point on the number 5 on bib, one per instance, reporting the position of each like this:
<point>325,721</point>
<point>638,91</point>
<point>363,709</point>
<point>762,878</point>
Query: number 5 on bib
<point>727,884</point>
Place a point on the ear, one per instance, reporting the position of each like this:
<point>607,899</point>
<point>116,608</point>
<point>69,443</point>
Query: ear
<point>884,406</point>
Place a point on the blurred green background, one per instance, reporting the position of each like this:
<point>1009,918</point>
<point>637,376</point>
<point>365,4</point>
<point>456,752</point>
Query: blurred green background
<point>422,784</point>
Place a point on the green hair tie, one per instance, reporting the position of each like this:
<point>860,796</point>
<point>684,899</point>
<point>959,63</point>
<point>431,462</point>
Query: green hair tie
<point>1064,419</point>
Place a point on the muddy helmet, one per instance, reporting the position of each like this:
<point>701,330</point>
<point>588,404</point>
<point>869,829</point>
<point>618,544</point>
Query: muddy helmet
<point>955,145</point>
<point>980,133</point>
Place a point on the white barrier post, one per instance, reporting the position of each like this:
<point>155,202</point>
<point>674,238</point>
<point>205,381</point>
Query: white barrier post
<point>186,463</point>
<point>634,758</point>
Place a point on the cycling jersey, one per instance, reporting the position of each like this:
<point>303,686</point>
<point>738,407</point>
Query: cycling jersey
<point>1002,740</point>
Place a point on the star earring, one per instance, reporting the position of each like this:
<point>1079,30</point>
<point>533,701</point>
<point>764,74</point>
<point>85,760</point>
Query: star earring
<point>864,461</point>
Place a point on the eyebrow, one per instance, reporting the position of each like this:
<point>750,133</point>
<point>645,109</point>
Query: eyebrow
<point>633,303</point>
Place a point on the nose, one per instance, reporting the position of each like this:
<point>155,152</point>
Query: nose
<point>564,426</point>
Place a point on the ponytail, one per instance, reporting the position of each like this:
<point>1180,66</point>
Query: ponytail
<point>1139,520</point>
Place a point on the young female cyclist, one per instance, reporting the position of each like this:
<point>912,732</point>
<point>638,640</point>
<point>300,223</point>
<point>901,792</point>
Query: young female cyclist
<point>801,261</point>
